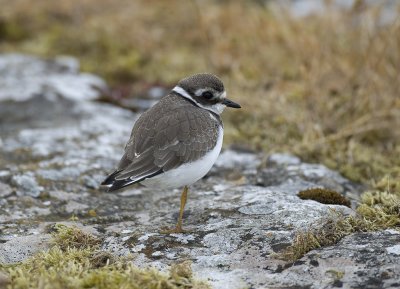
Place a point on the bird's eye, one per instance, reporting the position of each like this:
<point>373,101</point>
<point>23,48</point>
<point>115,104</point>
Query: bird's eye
<point>207,95</point>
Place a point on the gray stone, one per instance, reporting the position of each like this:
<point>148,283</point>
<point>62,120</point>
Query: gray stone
<point>26,185</point>
<point>284,169</point>
<point>5,190</point>
<point>358,261</point>
<point>75,207</point>
<point>65,196</point>
<point>283,159</point>
<point>22,77</point>
<point>230,159</point>
<point>395,250</point>
<point>20,248</point>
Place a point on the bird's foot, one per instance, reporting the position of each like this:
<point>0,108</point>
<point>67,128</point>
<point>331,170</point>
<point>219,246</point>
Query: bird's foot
<point>176,230</point>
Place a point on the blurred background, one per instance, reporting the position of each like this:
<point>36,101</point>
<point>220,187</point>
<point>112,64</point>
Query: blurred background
<point>320,79</point>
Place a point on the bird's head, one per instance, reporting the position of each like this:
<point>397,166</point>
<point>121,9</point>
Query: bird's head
<point>206,91</point>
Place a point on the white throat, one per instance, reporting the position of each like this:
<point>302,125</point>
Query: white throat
<point>217,108</point>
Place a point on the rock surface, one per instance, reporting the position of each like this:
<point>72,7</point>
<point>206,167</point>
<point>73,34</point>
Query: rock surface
<point>57,146</point>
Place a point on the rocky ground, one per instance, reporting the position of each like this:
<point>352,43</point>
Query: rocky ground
<point>57,143</point>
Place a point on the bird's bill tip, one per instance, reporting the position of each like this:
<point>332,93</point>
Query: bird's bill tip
<point>230,103</point>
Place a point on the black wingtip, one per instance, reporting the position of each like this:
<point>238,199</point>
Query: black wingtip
<point>110,179</point>
<point>119,184</point>
<point>115,184</point>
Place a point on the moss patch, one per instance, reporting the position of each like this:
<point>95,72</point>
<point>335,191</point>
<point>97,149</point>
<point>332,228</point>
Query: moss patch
<point>324,196</point>
<point>71,237</point>
<point>381,208</point>
<point>75,262</point>
<point>328,234</point>
<point>378,211</point>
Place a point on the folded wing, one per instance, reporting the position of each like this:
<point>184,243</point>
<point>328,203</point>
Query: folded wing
<point>163,141</point>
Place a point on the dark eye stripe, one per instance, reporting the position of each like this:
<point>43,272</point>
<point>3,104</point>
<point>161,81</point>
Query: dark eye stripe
<point>207,95</point>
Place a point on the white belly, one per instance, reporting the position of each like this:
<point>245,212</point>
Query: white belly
<point>187,174</point>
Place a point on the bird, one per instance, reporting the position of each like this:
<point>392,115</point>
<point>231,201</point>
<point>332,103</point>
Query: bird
<point>177,141</point>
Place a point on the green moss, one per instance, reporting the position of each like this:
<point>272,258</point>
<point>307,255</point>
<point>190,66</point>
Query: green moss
<point>381,208</point>
<point>378,211</point>
<point>75,262</point>
<point>324,196</point>
<point>335,274</point>
<point>72,237</point>
<point>74,268</point>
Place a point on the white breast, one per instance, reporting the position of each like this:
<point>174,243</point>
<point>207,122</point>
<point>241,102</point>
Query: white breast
<point>189,173</point>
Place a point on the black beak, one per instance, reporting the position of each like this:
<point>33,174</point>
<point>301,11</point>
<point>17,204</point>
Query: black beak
<point>230,103</point>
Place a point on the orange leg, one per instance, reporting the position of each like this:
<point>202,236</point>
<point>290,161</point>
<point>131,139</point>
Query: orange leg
<point>178,228</point>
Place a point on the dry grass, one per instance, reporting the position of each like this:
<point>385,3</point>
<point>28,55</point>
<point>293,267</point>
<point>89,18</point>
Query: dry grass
<point>332,231</point>
<point>324,87</point>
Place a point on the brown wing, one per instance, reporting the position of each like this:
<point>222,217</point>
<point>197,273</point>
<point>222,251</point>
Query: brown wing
<point>172,132</point>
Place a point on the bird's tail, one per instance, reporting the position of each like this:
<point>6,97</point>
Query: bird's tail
<point>113,183</point>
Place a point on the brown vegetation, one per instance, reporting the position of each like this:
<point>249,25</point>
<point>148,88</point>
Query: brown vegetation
<point>324,196</point>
